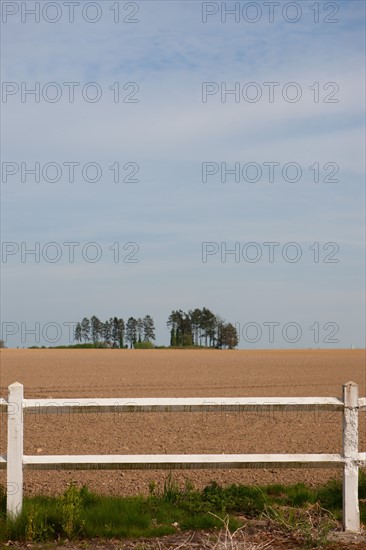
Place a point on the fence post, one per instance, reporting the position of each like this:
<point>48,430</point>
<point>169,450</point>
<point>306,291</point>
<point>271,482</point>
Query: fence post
<point>351,512</point>
<point>14,458</point>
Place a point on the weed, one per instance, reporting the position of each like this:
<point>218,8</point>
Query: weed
<point>71,508</point>
<point>311,524</point>
<point>152,487</point>
<point>171,490</point>
<point>235,498</point>
<point>38,529</point>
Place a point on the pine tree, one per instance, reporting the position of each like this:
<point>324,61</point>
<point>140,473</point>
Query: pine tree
<point>131,331</point>
<point>121,332</point>
<point>140,329</point>
<point>115,335</point>
<point>107,330</point>
<point>173,337</point>
<point>77,333</point>
<point>208,323</point>
<point>196,324</point>
<point>148,328</point>
<point>95,327</point>
<point>85,329</point>
<point>220,332</point>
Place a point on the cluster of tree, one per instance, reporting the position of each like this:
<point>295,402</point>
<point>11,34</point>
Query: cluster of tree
<point>201,327</point>
<point>115,332</point>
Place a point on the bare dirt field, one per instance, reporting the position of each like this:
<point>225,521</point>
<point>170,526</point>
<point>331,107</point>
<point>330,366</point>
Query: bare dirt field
<point>191,373</point>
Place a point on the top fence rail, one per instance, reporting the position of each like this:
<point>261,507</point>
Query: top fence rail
<point>180,404</point>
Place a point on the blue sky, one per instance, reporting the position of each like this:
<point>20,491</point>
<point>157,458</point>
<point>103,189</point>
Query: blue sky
<point>169,132</point>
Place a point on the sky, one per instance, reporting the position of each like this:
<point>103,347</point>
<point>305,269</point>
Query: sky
<point>177,154</point>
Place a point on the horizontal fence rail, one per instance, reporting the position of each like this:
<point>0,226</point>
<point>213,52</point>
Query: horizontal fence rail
<point>178,404</point>
<point>350,460</point>
<point>176,462</point>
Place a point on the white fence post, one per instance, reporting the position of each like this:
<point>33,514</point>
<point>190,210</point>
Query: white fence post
<point>351,512</point>
<point>15,450</point>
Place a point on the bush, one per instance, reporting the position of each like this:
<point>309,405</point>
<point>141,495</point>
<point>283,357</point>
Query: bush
<point>143,345</point>
<point>235,498</point>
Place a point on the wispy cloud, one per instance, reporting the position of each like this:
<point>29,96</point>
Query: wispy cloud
<point>169,133</point>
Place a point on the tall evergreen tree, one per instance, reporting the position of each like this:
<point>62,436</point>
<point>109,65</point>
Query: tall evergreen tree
<point>131,331</point>
<point>186,330</point>
<point>148,328</point>
<point>140,329</point>
<point>121,332</point>
<point>95,328</point>
<point>85,329</point>
<point>196,324</point>
<point>173,337</point>
<point>208,323</point>
<point>220,332</point>
<point>174,319</point>
<point>115,335</point>
<point>107,330</point>
<point>77,333</point>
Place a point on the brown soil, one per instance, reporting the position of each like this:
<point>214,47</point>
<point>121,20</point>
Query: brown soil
<point>202,373</point>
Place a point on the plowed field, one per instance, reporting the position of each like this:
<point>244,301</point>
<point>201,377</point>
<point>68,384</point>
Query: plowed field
<point>191,373</point>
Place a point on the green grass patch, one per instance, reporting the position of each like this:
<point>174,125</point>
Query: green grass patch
<point>81,514</point>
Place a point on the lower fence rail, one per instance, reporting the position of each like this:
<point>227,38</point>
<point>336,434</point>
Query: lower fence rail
<point>350,460</point>
<point>180,462</point>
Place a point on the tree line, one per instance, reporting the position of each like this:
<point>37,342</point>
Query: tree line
<point>115,332</point>
<point>198,327</point>
<point>201,327</point>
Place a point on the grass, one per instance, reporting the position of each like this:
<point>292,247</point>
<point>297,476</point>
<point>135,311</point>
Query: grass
<point>79,513</point>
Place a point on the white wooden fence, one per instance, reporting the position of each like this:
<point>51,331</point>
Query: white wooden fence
<point>349,460</point>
